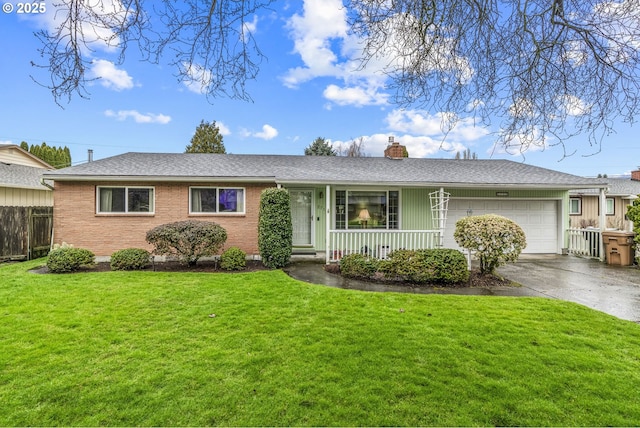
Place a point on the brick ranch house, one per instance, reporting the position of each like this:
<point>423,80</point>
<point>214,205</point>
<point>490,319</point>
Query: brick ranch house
<point>338,204</point>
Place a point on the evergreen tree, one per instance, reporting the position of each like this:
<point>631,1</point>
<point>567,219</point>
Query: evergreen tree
<point>320,147</point>
<point>207,139</point>
<point>57,157</point>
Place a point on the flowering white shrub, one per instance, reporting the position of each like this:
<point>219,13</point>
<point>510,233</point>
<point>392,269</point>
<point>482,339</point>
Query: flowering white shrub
<point>495,239</point>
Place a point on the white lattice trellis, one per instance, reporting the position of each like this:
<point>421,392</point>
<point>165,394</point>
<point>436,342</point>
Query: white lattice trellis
<point>439,206</point>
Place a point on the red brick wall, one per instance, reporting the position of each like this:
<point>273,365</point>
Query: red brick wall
<point>76,222</point>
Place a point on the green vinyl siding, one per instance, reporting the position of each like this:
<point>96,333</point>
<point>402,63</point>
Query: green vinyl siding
<point>321,218</point>
<point>415,209</point>
<point>518,194</point>
<point>415,206</point>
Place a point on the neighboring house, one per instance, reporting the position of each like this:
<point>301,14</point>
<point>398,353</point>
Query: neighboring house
<point>339,204</point>
<point>584,204</point>
<point>25,204</point>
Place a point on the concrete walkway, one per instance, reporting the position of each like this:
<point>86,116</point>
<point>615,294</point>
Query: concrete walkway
<point>611,289</point>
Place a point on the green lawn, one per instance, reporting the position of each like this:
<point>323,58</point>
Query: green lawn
<point>144,348</point>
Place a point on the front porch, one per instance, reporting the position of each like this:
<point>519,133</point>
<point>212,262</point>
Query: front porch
<point>378,243</point>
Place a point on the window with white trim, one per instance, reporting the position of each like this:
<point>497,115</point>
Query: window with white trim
<point>610,206</point>
<point>575,206</point>
<point>125,200</point>
<point>212,200</point>
<point>367,209</point>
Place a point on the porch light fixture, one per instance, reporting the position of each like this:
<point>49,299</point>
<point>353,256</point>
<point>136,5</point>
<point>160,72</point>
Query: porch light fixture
<point>503,194</point>
<point>364,217</point>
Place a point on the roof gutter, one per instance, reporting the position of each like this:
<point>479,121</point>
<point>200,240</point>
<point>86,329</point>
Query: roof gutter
<point>173,179</point>
<point>45,184</point>
<point>528,186</point>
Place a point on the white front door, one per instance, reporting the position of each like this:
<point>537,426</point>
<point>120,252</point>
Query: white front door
<point>302,217</point>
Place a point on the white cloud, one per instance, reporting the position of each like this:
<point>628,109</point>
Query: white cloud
<point>356,95</point>
<point>312,32</point>
<point>138,117</point>
<point>223,129</point>
<point>197,78</point>
<point>97,20</point>
<point>268,133</point>
<point>419,146</point>
<point>321,39</point>
<point>251,27</point>
<point>574,106</point>
<point>327,49</point>
<point>110,76</point>
<point>519,144</point>
<point>439,126</point>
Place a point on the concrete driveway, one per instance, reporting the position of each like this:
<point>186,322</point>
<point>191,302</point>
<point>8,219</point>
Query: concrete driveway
<point>611,289</point>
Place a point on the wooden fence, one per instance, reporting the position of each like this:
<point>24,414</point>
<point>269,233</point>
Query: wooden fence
<point>25,232</point>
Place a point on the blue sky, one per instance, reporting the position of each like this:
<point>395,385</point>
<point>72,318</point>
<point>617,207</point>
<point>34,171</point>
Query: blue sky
<point>307,88</point>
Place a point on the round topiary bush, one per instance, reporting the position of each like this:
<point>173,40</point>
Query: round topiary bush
<point>495,239</point>
<point>189,239</point>
<point>233,259</point>
<point>130,259</point>
<point>69,259</point>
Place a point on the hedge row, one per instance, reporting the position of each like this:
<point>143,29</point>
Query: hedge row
<point>69,259</point>
<point>433,266</point>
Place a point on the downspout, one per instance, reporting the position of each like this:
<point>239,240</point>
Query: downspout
<point>45,184</point>
<point>327,224</point>
<point>602,221</point>
<point>52,227</point>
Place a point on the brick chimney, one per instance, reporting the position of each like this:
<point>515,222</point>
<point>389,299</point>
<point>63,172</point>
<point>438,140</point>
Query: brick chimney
<point>635,175</point>
<point>396,151</point>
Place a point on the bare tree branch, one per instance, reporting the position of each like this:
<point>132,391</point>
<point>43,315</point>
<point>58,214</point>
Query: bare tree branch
<point>545,70</point>
<point>208,41</point>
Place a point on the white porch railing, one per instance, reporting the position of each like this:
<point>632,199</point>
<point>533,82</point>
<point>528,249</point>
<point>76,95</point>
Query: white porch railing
<point>584,242</point>
<point>379,243</point>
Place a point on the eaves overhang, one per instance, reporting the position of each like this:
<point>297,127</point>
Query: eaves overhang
<point>524,186</point>
<point>24,186</point>
<point>157,179</point>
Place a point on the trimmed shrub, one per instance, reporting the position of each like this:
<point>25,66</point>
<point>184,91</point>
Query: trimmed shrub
<point>495,239</point>
<point>130,259</point>
<point>189,240</point>
<point>275,230</point>
<point>437,266</point>
<point>358,266</point>
<point>233,259</point>
<point>69,259</point>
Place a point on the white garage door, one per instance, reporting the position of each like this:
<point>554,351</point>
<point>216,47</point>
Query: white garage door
<point>538,219</point>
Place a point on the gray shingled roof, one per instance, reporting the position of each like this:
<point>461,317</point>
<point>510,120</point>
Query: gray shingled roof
<point>321,170</point>
<point>20,176</point>
<point>617,187</point>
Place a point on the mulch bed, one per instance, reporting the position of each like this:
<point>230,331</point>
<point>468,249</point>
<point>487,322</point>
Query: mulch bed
<point>476,279</point>
<point>171,266</point>
<point>203,266</point>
